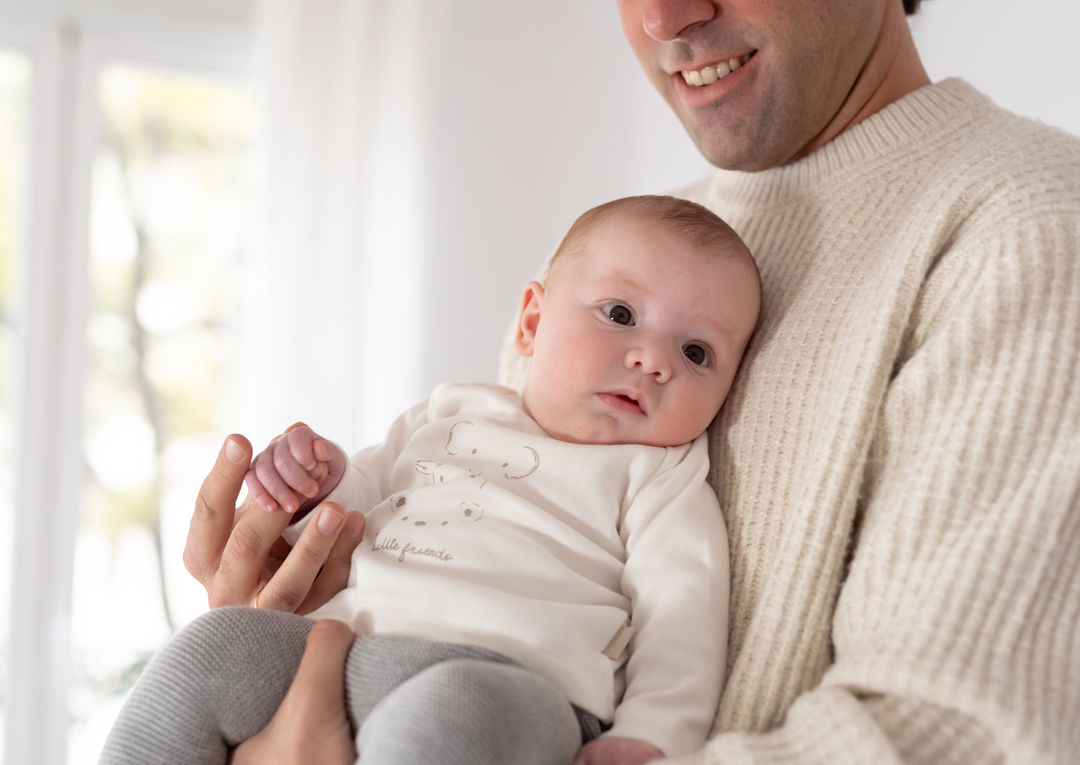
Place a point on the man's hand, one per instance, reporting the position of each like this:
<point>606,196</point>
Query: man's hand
<point>237,554</point>
<point>612,750</point>
<point>310,725</point>
<point>296,471</point>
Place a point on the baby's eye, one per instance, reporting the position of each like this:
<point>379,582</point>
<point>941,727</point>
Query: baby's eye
<point>619,314</point>
<point>696,354</point>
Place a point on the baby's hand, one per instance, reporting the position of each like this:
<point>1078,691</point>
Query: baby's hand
<point>297,470</point>
<point>612,750</point>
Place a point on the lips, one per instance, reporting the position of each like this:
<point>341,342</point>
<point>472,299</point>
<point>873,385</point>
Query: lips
<point>626,401</point>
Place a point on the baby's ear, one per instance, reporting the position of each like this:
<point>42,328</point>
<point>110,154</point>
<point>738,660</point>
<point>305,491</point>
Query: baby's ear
<point>532,301</point>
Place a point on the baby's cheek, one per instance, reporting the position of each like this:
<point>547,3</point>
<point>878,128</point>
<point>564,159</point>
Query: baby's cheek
<point>689,421</point>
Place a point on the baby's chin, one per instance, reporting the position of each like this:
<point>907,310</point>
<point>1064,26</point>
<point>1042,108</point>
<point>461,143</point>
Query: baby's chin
<point>659,440</point>
<point>612,437</point>
<point>661,443</point>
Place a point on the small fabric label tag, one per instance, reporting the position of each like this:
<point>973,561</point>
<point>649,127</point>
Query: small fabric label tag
<point>618,643</point>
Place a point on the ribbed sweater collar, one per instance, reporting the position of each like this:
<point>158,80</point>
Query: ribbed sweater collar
<point>931,114</point>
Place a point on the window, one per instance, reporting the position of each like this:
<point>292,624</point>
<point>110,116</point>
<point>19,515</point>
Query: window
<point>123,159</point>
<point>167,207</point>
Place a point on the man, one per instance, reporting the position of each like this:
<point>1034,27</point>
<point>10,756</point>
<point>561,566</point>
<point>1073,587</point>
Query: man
<point>899,460</point>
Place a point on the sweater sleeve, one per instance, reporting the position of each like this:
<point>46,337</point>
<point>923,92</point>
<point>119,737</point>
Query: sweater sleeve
<point>955,632</point>
<point>677,578</point>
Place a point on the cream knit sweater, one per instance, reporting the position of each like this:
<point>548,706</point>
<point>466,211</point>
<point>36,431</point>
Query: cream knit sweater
<point>899,460</point>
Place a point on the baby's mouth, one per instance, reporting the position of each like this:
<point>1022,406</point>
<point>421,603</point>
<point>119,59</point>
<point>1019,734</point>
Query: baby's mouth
<point>709,74</point>
<point>624,401</point>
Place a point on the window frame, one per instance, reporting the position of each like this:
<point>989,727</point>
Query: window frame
<point>68,46</point>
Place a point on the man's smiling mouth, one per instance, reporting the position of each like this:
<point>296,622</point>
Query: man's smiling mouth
<point>710,74</point>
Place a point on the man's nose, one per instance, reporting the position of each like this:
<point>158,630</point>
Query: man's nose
<point>650,359</point>
<point>667,20</point>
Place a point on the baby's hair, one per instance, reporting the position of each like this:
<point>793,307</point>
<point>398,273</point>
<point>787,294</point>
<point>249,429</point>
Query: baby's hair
<point>697,224</point>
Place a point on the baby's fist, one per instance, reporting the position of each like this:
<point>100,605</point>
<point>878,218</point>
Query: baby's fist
<point>296,471</point>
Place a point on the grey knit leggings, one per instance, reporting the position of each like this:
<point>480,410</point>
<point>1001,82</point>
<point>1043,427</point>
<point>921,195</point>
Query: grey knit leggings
<point>410,702</point>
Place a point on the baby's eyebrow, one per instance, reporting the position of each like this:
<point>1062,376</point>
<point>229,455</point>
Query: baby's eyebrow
<point>622,282</point>
<point>629,283</point>
<point>721,336</point>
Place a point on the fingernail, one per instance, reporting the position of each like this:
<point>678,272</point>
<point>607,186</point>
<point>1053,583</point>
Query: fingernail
<point>233,451</point>
<point>354,527</point>
<point>329,520</point>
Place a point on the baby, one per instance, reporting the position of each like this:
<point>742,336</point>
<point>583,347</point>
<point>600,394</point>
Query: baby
<point>546,574</point>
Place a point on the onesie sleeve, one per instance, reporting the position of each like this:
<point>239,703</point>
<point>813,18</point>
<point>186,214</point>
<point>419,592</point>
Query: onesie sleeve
<point>677,579</point>
<point>367,479</point>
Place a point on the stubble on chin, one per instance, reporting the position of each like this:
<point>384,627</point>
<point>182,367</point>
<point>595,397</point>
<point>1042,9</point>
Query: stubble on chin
<point>746,143</point>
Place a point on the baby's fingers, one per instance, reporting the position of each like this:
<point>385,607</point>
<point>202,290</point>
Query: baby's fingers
<point>258,492</point>
<point>319,473</point>
<point>293,472</point>
<point>321,450</point>
<point>274,481</point>
<point>301,440</point>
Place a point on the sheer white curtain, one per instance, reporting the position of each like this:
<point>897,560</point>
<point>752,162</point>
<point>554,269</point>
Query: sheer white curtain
<point>332,325</point>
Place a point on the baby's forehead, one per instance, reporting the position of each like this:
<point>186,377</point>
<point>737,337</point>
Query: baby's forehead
<point>720,258</point>
<point>587,245</point>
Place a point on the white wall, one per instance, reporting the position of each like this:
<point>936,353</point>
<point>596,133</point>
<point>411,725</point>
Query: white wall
<point>1020,53</point>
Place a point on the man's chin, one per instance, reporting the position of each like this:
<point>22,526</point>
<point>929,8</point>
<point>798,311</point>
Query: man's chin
<point>730,155</point>
<point>734,147</point>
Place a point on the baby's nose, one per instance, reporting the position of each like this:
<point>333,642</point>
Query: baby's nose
<point>650,360</point>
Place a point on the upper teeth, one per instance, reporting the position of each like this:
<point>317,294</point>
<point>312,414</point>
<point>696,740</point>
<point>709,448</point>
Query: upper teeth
<point>711,74</point>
